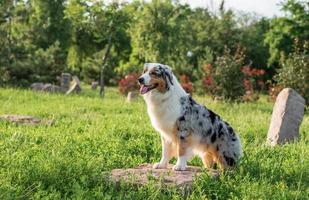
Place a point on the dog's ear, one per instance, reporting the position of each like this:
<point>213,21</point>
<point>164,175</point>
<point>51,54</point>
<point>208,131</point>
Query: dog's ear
<point>169,73</point>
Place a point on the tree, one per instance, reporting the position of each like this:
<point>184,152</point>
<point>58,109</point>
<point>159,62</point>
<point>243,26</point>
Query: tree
<point>48,22</point>
<point>251,36</point>
<point>15,40</point>
<point>97,28</point>
<point>284,30</point>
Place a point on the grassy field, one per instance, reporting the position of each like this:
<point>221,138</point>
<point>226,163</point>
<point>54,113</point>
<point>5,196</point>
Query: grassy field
<point>91,136</point>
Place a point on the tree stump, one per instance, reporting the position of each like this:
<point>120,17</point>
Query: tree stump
<point>286,118</point>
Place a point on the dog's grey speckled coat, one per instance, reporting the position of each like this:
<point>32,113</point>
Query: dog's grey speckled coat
<point>210,128</point>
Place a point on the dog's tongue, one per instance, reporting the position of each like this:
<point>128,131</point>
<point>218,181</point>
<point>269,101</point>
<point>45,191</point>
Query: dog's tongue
<point>144,89</point>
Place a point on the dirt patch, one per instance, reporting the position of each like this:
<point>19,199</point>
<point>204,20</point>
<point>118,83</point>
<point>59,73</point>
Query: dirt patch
<point>25,119</point>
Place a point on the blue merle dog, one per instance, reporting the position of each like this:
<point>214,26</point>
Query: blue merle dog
<point>186,127</point>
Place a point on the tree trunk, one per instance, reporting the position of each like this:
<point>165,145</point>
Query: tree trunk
<point>9,38</point>
<point>102,85</point>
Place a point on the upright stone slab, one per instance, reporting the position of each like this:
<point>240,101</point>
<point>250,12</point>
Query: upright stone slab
<point>65,81</point>
<point>75,86</point>
<point>286,118</point>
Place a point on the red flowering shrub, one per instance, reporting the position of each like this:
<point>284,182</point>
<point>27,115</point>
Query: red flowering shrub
<point>224,79</point>
<point>254,75</point>
<point>186,84</point>
<point>128,84</point>
<point>252,80</point>
<point>208,81</point>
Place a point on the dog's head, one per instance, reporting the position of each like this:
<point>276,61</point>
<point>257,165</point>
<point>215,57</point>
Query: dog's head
<point>155,77</point>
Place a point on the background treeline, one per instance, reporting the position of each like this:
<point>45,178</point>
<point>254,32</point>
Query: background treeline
<point>39,39</point>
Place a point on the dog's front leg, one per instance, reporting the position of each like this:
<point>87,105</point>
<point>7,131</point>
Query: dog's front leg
<point>168,151</point>
<point>183,143</point>
<point>182,149</point>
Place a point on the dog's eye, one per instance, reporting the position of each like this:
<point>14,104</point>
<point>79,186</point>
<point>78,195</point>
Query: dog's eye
<point>153,73</point>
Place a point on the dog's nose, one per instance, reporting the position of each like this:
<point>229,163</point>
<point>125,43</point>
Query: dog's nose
<point>141,80</point>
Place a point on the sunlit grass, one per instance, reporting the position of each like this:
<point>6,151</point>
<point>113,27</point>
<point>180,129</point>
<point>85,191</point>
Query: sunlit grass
<point>91,136</point>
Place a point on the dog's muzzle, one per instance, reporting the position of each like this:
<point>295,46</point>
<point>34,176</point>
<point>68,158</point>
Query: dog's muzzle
<point>141,81</point>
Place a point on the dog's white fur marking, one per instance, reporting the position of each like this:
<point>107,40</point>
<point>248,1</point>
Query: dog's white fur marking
<point>174,108</point>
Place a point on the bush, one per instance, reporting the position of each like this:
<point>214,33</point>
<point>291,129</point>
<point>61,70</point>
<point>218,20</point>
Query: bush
<point>294,71</point>
<point>37,65</point>
<point>250,78</point>
<point>186,84</point>
<point>227,76</point>
<point>4,78</point>
<point>128,84</point>
<point>91,69</point>
<point>273,91</point>
<point>48,63</point>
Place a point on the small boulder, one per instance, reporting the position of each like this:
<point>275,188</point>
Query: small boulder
<point>286,118</point>
<point>21,119</point>
<point>131,96</point>
<point>37,86</point>
<point>25,120</point>
<point>46,87</point>
<point>144,173</point>
<point>51,88</point>
<point>94,85</point>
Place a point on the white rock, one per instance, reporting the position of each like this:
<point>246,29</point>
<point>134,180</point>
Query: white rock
<point>286,118</point>
<point>131,96</point>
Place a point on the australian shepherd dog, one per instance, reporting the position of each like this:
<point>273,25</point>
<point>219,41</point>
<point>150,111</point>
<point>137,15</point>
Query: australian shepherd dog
<point>186,127</point>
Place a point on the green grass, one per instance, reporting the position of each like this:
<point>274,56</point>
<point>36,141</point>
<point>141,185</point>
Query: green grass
<point>92,136</point>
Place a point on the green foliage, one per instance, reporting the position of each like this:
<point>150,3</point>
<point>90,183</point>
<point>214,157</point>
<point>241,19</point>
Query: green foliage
<point>165,32</point>
<point>284,30</point>
<point>251,37</point>
<point>89,137</point>
<point>228,77</point>
<point>21,61</point>
<point>294,71</point>
<point>156,34</point>
<point>91,25</point>
<point>48,64</point>
<point>141,31</point>
<point>40,66</point>
<point>48,22</point>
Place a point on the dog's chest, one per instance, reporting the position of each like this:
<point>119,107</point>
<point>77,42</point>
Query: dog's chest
<point>163,118</point>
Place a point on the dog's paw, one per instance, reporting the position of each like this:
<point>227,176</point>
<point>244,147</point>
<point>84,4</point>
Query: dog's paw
<point>178,167</point>
<point>159,166</point>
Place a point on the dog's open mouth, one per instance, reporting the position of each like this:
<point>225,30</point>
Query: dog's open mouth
<point>146,88</point>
